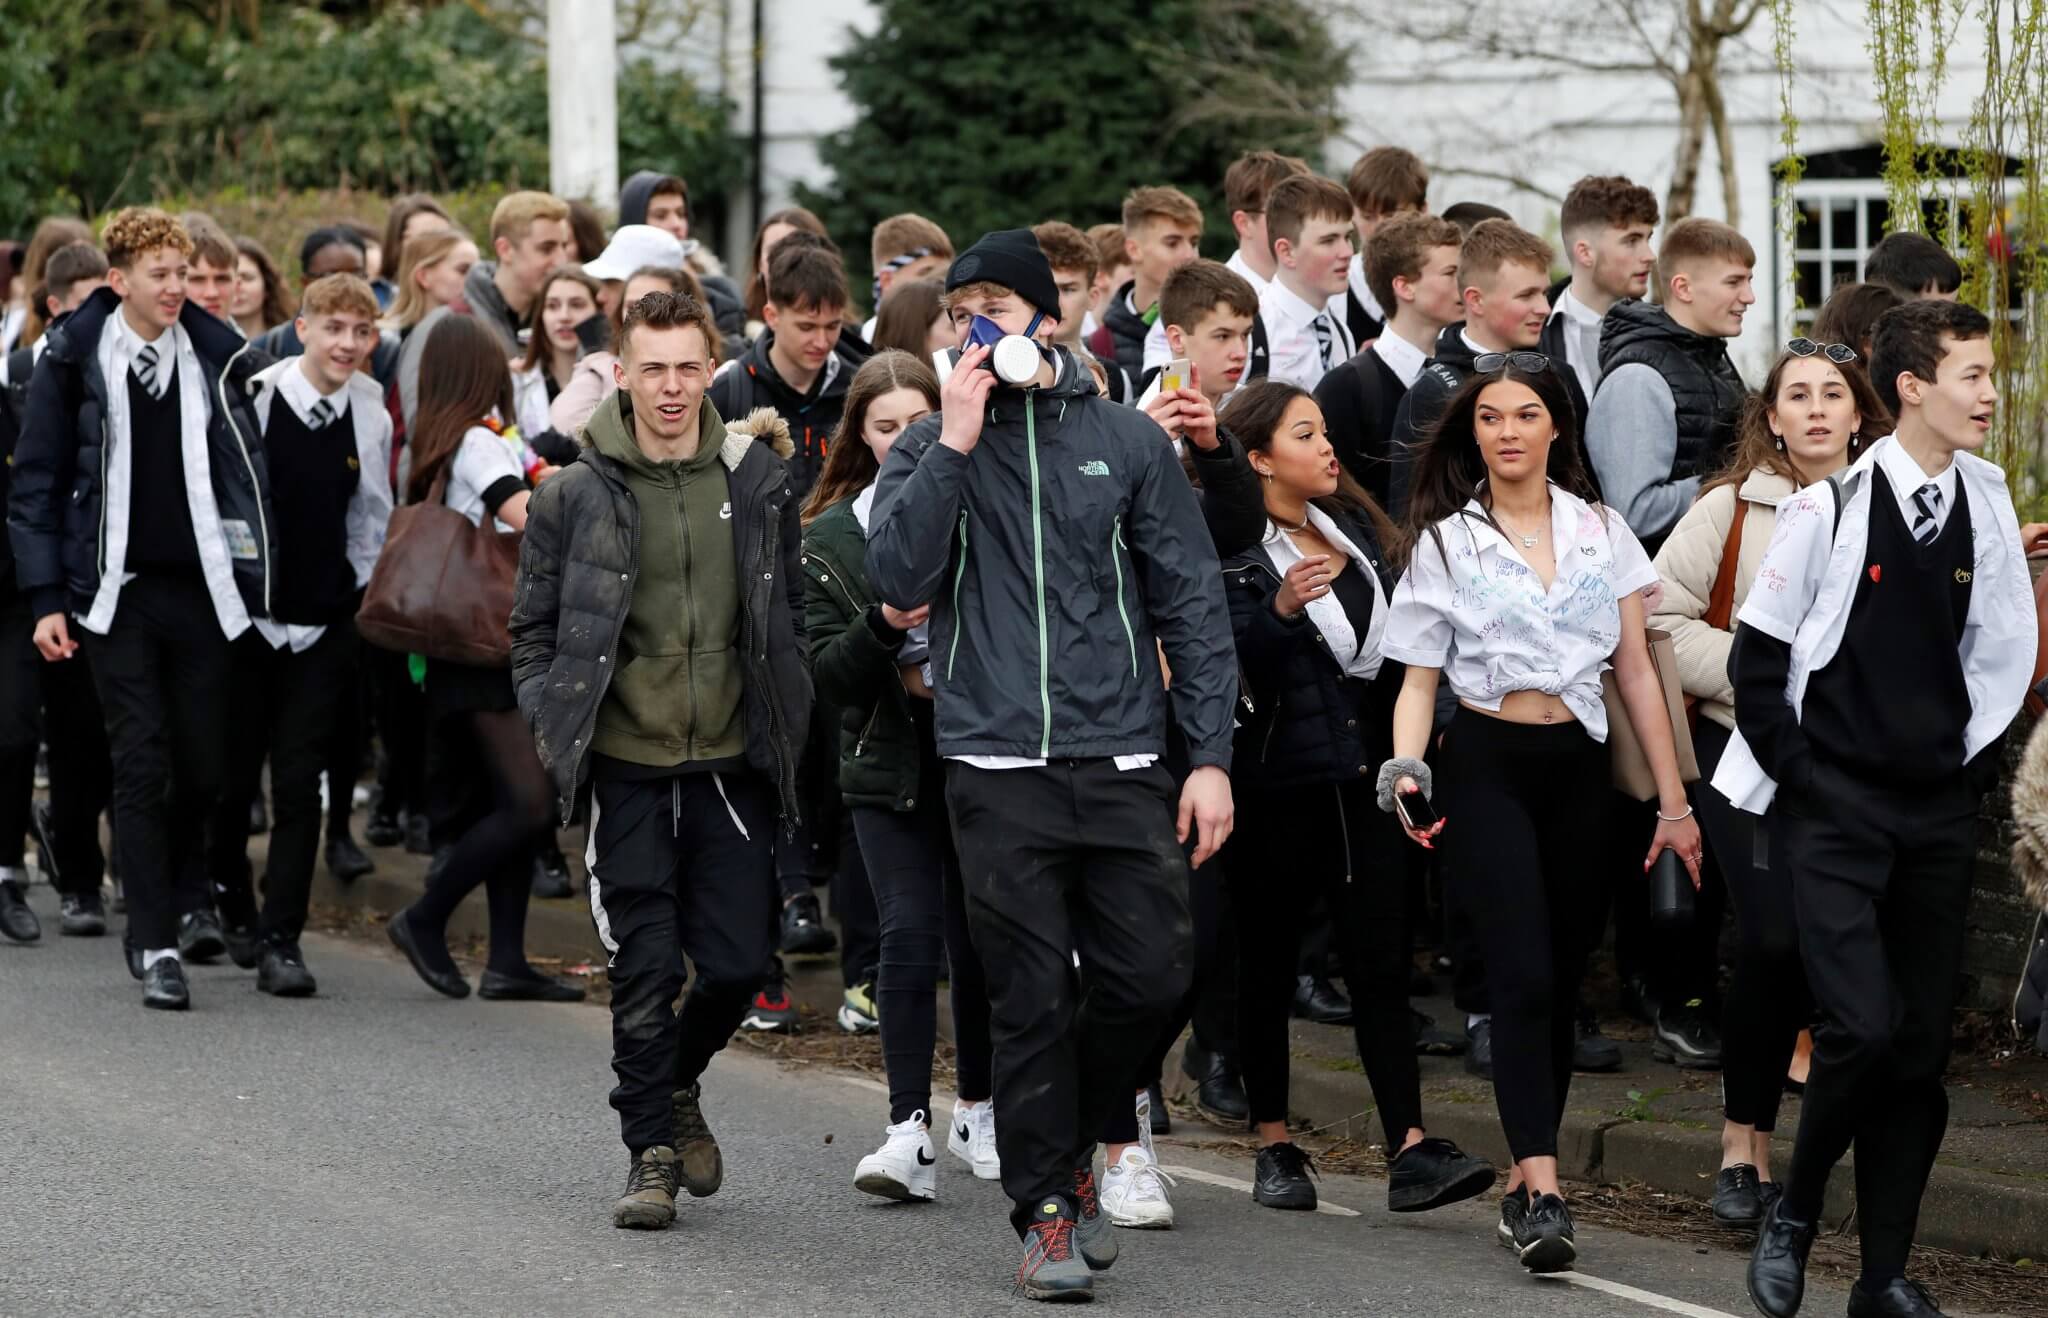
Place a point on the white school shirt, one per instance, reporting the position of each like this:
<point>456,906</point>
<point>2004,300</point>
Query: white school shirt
<point>220,541</point>
<point>1294,353</point>
<point>1359,656</point>
<point>1479,612</point>
<point>1906,478</point>
<point>1581,339</point>
<point>482,461</point>
<point>1403,358</point>
<point>1807,584</point>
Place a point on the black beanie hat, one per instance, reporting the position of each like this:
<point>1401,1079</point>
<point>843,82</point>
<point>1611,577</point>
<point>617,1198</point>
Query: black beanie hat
<point>1012,258</point>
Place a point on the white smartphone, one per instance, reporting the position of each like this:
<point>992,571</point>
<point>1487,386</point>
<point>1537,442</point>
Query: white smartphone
<point>1176,374</point>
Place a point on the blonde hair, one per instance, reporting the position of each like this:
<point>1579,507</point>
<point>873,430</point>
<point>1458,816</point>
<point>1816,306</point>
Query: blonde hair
<point>344,293</point>
<point>1144,205</point>
<point>1491,244</point>
<point>517,212</point>
<point>900,234</point>
<point>139,230</point>
<point>422,251</point>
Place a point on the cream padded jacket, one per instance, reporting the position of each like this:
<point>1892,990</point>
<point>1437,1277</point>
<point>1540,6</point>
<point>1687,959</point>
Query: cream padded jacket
<point>1688,563</point>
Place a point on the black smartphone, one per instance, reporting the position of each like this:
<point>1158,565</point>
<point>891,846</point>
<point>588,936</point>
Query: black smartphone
<point>1415,810</point>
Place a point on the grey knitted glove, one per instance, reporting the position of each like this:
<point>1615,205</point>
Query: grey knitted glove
<point>1402,767</point>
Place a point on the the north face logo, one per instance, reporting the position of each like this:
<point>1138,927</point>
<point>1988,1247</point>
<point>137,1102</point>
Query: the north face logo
<point>1096,467</point>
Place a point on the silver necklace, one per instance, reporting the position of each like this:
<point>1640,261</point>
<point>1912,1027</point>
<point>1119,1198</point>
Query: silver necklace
<point>1528,541</point>
<point>1292,530</point>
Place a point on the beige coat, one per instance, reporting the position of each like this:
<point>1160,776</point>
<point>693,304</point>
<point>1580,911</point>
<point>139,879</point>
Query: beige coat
<point>1688,564</point>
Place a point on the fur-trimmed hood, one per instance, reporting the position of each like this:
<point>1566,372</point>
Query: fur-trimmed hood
<point>2030,818</point>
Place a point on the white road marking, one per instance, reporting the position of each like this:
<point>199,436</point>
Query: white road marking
<point>1649,1299</point>
<point>1185,1173</point>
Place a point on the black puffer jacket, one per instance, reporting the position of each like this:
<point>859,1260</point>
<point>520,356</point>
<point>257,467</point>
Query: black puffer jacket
<point>1053,555</point>
<point>578,564</point>
<point>56,501</point>
<point>1705,385</point>
<point>1305,720</point>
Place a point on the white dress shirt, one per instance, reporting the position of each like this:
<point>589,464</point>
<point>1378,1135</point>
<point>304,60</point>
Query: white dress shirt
<point>1403,358</point>
<point>1296,353</point>
<point>1807,585</point>
<point>1359,656</point>
<point>1906,478</point>
<point>1478,611</point>
<point>1581,339</point>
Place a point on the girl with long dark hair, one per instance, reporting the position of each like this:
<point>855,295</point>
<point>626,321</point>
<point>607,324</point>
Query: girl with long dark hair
<point>869,660</point>
<point>1521,589</point>
<point>261,299</point>
<point>458,441</point>
<point>1309,607</point>
<point>1807,424</point>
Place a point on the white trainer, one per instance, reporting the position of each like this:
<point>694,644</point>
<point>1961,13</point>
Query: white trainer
<point>905,1168</point>
<point>972,1139</point>
<point>1134,1193</point>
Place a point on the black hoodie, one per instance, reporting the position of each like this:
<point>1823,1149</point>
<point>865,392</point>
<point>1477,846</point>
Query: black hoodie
<point>1127,331</point>
<point>728,308</point>
<point>752,381</point>
<point>1445,374</point>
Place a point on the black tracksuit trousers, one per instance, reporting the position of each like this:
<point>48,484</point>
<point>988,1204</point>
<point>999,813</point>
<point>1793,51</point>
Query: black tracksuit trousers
<point>1075,856</point>
<point>679,865</point>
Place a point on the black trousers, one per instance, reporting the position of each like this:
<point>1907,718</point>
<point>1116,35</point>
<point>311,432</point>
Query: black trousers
<point>683,865</point>
<point>402,729</point>
<point>349,732</point>
<point>923,917</point>
<point>853,905</point>
<point>1331,841</point>
<point>1524,809</point>
<point>81,773</point>
<point>21,699</point>
<point>1881,885</point>
<point>1767,1002</point>
<point>163,675</point>
<point>288,706</point>
<point>1071,857</point>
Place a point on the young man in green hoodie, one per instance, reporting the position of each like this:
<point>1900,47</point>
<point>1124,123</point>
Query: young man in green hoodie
<point>657,653</point>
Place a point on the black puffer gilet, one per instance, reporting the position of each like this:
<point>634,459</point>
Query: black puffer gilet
<point>1704,384</point>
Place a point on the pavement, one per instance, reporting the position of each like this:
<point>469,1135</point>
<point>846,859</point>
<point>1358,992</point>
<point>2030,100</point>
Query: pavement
<point>381,1150</point>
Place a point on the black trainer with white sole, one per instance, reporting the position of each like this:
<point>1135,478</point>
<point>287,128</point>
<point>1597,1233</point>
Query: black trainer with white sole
<point>1544,1240</point>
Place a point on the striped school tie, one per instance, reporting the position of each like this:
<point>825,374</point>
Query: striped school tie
<point>322,412</point>
<point>1321,325</point>
<point>145,368</point>
<point>1927,504</point>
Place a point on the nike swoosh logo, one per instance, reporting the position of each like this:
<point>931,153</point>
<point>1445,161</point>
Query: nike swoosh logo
<point>924,1159</point>
<point>965,1134</point>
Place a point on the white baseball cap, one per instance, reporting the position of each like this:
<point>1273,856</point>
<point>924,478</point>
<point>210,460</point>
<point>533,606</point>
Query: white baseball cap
<point>634,246</point>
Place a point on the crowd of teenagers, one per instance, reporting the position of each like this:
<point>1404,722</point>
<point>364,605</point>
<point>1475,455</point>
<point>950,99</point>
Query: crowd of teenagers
<point>1127,640</point>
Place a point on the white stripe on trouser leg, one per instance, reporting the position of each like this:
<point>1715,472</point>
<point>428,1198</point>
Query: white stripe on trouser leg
<point>719,780</point>
<point>604,923</point>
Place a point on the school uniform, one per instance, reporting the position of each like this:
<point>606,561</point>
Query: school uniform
<point>295,671</point>
<point>1307,340</point>
<point>1878,662</point>
<point>1357,307</point>
<point>1360,399</point>
<point>1524,804</point>
<point>1258,353</point>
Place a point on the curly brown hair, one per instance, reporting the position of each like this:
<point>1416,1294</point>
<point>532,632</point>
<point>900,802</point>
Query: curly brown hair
<point>139,230</point>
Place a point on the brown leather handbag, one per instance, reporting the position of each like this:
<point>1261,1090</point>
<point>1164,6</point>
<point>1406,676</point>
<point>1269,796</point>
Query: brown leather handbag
<point>442,587</point>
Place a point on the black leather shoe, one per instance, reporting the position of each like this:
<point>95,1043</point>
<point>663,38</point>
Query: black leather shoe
<point>419,839</point>
<point>448,982</point>
<point>1686,1035</point>
<point>1479,1049</point>
<point>1317,999</point>
<point>1434,1173</point>
<point>163,986</point>
<point>1280,1179</point>
<point>1160,1119</point>
<point>1546,1241</point>
<point>133,956</point>
<point>1777,1266</point>
<point>259,817</point>
<point>1897,1298</point>
<point>283,973</point>
<point>83,916</point>
<point>804,931</point>
<point>17,921</point>
<point>1738,1196</point>
<point>345,860</point>
<point>245,945</point>
<point>551,875</point>
<point>199,938</point>
<point>1219,1092</point>
<point>1432,1041</point>
<point>531,987</point>
<point>383,829</point>
<point>1592,1050</point>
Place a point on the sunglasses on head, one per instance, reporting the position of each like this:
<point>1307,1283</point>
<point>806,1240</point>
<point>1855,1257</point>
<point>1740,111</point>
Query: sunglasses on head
<point>1841,354</point>
<point>1486,363</point>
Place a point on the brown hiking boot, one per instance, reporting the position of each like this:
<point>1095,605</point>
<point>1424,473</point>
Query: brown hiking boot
<point>649,1203</point>
<point>699,1165</point>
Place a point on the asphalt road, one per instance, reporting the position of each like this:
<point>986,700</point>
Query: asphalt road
<point>379,1149</point>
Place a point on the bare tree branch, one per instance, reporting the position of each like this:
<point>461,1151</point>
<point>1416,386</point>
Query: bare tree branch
<point>1515,181</point>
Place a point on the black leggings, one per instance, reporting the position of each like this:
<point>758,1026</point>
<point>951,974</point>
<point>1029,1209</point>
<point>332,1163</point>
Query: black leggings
<point>1767,997</point>
<point>495,850</point>
<point>1286,849</point>
<point>1525,821</point>
<point>923,912</point>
